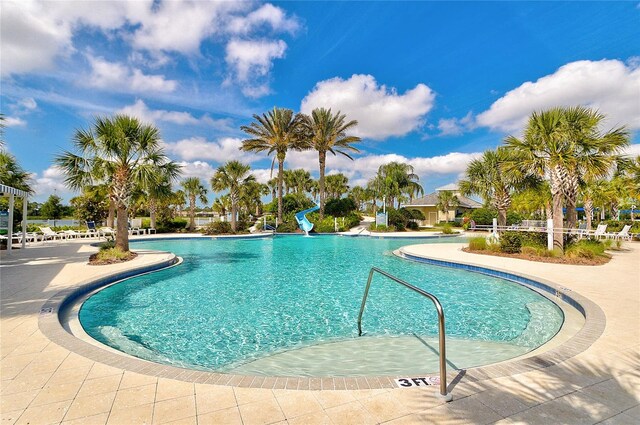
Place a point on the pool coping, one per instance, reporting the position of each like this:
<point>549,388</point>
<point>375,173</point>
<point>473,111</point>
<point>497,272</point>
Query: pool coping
<point>50,324</point>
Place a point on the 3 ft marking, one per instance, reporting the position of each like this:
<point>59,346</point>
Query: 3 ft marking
<point>417,382</point>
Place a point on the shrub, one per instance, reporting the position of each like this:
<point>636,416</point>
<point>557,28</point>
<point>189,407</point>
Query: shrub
<point>483,216</point>
<point>478,244</point>
<point>510,242</point>
<point>585,248</point>
<point>513,218</point>
<point>340,207</point>
<point>416,214</point>
<point>447,229</point>
<point>173,225</point>
<point>529,250</point>
<point>107,245</point>
<point>217,228</point>
<point>412,225</point>
<point>382,228</point>
<point>287,226</point>
<point>291,203</point>
<point>397,218</point>
<point>112,254</point>
<point>534,239</point>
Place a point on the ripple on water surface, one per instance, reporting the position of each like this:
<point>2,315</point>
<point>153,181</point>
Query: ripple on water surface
<point>234,301</point>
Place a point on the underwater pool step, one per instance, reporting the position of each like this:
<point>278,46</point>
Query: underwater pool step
<point>366,356</point>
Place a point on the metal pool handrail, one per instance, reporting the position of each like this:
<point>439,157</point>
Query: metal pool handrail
<point>441,332</point>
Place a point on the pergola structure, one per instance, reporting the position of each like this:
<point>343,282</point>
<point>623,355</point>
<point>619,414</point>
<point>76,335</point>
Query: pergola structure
<point>12,193</point>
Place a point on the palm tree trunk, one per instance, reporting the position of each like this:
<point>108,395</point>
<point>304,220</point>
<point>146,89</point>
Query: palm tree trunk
<point>322,156</point>
<point>502,218</point>
<point>234,210</point>
<point>192,213</point>
<point>152,212</point>
<point>112,213</point>
<point>588,211</point>
<point>556,194</point>
<point>280,182</point>
<point>571,199</point>
<point>122,232</point>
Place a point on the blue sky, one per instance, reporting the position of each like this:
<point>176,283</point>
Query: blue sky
<point>433,84</point>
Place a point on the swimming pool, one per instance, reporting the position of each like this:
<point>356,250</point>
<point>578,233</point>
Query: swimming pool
<point>289,304</point>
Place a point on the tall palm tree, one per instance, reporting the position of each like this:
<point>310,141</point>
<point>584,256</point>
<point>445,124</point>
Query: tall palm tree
<point>337,185</point>
<point>231,176</point>
<point>593,193</point>
<point>534,199</point>
<point>596,152</point>
<point>275,132</point>
<point>327,132</point>
<point>160,190</point>
<point>251,194</point>
<point>288,181</point>
<point>396,179</point>
<point>484,178</point>
<point>552,149</point>
<point>194,190</point>
<point>118,151</point>
<point>447,200</point>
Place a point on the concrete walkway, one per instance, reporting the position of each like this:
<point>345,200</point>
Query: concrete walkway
<point>44,383</point>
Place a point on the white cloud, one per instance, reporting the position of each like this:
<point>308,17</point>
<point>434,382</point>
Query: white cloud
<point>14,122</point>
<point>381,112</point>
<point>364,167</point>
<point>200,169</point>
<point>266,15</point>
<point>222,150</point>
<point>608,85</point>
<point>251,61</point>
<point>28,103</point>
<point>50,181</point>
<point>117,76</point>
<point>151,116</point>
<point>455,126</point>
<point>263,175</point>
<point>632,150</point>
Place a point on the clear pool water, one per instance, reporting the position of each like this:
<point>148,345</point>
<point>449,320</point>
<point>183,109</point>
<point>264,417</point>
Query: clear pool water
<point>233,302</point>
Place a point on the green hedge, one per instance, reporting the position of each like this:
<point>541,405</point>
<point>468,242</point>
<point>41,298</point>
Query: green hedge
<point>511,242</point>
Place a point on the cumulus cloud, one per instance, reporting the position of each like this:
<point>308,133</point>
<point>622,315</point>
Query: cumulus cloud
<point>14,122</point>
<point>117,76</point>
<point>222,150</point>
<point>251,61</point>
<point>381,111</point>
<point>267,15</point>
<point>50,181</point>
<point>140,110</point>
<point>364,167</point>
<point>611,86</point>
<point>455,126</point>
<point>632,150</point>
<point>200,169</point>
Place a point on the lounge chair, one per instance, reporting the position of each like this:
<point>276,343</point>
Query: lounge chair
<point>135,227</point>
<point>582,230</point>
<point>622,234</point>
<point>49,234</point>
<point>106,231</point>
<point>92,230</point>
<point>72,234</point>
<point>601,231</point>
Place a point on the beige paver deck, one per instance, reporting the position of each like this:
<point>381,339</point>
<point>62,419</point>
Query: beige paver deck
<point>44,383</point>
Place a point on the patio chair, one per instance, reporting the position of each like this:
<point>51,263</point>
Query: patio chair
<point>72,234</point>
<point>49,234</point>
<point>582,230</point>
<point>622,234</point>
<point>92,230</point>
<point>601,231</point>
<point>106,231</point>
<point>135,227</point>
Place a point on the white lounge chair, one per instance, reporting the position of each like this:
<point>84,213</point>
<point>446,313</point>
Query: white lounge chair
<point>622,234</point>
<point>135,228</point>
<point>72,234</point>
<point>601,231</point>
<point>50,234</point>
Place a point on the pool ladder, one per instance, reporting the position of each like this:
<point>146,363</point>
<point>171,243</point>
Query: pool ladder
<point>441,334</point>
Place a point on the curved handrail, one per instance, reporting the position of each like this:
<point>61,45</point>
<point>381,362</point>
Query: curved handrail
<point>441,332</point>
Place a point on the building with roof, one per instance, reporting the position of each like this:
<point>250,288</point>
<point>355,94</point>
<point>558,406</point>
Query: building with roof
<point>427,205</point>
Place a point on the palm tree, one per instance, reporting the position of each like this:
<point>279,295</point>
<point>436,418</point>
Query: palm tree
<point>534,199</point>
<point>12,174</point>
<point>337,185</point>
<point>447,200</point>
<point>593,193</point>
<point>120,152</point>
<point>288,180</point>
<point>272,184</point>
<point>251,194</point>
<point>359,195</point>
<point>484,178</point>
<point>300,180</point>
<point>221,205</point>
<point>328,133</point>
<point>231,176</point>
<point>553,147</point>
<point>396,179</point>
<point>595,152</point>
<point>275,132</point>
<point>194,189</point>
<point>161,189</point>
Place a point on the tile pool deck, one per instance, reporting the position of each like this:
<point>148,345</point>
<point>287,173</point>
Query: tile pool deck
<point>43,382</point>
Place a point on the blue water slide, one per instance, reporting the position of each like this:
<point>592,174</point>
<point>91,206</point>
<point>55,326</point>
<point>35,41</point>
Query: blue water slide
<point>303,222</point>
